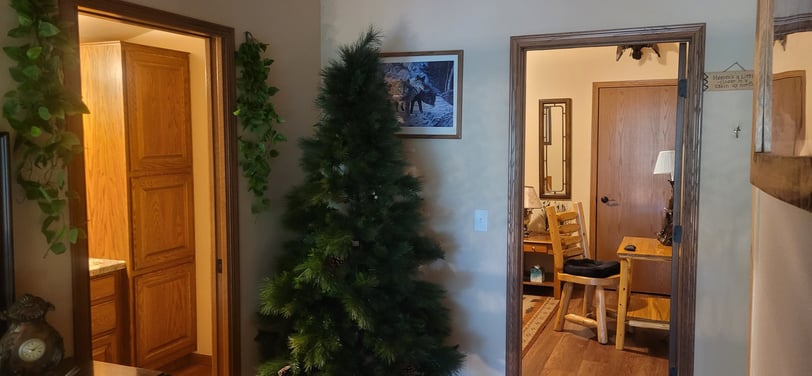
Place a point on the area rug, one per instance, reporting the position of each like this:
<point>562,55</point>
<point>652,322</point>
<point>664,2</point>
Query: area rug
<point>537,311</point>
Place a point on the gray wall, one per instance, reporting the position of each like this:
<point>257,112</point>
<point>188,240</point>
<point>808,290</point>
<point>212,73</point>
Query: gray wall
<point>471,173</point>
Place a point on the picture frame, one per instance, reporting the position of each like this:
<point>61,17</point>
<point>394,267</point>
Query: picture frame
<point>426,91</point>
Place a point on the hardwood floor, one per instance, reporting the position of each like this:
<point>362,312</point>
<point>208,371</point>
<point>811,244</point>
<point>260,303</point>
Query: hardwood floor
<point>575,351</point>
<point>194,365</point>
<point>193,370</point>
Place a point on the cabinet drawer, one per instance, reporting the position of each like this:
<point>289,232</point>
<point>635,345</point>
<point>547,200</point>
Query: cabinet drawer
<point>103,317</point>
<point>105,348</point>
<point>102,287</point>
<point>535,247</point>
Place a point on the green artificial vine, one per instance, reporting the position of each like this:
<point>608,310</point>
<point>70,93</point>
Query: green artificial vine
<point>257,116</point>
<point>36,110</point>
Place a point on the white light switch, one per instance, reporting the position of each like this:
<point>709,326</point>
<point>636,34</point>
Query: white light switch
<point>480,220</point>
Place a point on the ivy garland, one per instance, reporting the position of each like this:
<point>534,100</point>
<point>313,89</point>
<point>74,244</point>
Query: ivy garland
<point>36,110</point>
<point>257,116</point>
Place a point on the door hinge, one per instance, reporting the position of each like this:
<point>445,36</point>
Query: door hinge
<point>682,88</point>
<point>677,236</point>
<point>219,266</point>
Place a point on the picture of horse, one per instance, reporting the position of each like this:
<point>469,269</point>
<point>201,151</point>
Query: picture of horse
<point>424,91</point>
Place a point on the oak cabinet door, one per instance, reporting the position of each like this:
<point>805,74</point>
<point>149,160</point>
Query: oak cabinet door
<point>165,316</point>
<point>158,108</point>
<point>163,219</point>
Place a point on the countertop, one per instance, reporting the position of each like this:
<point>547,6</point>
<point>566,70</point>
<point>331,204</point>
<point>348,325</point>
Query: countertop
<point>99,266</point>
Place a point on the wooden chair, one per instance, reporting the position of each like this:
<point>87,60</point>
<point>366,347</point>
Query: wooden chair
<point>569,242</point>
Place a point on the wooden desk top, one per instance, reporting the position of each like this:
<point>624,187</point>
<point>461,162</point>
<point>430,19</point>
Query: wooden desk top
<point>537,237</point>
<point>647,249</point>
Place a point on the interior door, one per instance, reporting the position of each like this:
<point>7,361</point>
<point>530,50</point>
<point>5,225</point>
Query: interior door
<point>633,122</point>
<point>789,131</point>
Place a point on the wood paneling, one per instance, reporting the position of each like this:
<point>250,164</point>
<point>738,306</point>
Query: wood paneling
<point>165,306</point>
<point>105,158</point>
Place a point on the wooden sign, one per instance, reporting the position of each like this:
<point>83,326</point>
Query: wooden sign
<point>730,80</point>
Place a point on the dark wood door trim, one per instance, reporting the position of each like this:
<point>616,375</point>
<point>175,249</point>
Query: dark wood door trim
<point>694,35</point>
<point>224,139</point>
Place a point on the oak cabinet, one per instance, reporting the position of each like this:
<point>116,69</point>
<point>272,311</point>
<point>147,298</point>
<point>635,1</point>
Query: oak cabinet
<point>138,163</point>
<point>108,325</point>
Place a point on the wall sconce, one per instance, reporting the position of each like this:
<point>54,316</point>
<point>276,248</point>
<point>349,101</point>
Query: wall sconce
<point>531,201</point>
<point>665,165</point>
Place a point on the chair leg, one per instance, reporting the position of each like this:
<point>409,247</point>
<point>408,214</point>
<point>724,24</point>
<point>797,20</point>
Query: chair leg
<point>589,293</point>
<point>566,294</point>
<point>602,336</point>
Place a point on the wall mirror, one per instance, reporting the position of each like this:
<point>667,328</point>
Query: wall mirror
<point>782,138</point>
<point>555,144</point>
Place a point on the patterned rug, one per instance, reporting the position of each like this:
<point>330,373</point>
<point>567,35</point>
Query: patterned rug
<point>537,312</point>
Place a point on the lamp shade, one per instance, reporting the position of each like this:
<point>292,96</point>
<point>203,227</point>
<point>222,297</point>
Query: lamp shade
<point>665,163</point>
<point>531,198</point>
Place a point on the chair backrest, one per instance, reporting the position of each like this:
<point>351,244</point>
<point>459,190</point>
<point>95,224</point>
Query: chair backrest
<point>567,234</point>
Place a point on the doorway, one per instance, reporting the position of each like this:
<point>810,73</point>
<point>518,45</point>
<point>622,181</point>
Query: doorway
<point>682,328</point>
<point>221,261</point>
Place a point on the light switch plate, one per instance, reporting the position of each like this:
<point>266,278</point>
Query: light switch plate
<point>480,220</point>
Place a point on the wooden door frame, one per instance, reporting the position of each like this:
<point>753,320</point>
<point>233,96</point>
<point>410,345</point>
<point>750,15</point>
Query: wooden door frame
<point>221,48</point>
<point>694,35</point>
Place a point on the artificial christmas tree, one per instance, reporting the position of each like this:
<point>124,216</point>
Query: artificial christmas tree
<point>347,292</point>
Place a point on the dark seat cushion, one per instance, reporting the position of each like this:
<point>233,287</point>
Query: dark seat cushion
<point>591,268</point>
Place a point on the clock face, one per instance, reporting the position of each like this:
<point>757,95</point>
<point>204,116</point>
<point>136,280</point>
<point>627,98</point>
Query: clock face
<point>31,350</point>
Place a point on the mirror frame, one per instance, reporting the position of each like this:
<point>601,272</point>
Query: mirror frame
<point>567,152</point>
<point>787,178</point>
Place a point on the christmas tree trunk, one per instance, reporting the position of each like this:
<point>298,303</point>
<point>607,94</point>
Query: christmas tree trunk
<point>347,289</point>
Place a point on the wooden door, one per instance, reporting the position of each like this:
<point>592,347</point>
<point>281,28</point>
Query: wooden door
<point>632,122</point>
<point>789,130</point>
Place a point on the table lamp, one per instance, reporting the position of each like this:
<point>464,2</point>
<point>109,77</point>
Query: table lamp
<point>531,201</point>
<point>665,165</point>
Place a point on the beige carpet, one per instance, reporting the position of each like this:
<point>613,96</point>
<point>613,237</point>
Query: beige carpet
<point>537,311</point>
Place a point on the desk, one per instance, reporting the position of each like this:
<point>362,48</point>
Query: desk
<point>538,243</point>
<point>648,312</point>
